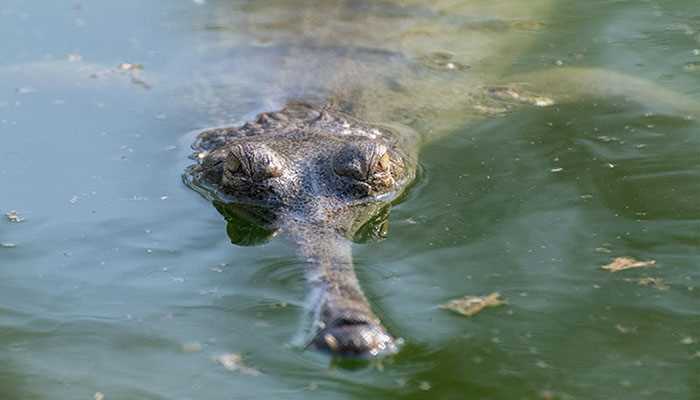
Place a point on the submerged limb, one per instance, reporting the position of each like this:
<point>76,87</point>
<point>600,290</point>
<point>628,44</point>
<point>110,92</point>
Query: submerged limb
<point>567,84</point>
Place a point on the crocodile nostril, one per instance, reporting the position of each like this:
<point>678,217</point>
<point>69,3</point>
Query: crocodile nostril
<point>355,338</point>
<point>347,321</point>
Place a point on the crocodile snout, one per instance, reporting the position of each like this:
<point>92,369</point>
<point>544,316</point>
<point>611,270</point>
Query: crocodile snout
<point>355,336</point>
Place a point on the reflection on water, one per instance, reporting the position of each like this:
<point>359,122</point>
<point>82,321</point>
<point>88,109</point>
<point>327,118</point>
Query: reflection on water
<point>118,268</point>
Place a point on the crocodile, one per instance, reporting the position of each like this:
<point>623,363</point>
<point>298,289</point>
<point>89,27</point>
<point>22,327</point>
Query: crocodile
<point>317,171</point>
<point>318,175</point>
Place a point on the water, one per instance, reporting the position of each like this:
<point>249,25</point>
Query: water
<point>122,281</point>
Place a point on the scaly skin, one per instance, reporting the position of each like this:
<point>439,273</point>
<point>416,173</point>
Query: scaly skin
<point>317,175</point>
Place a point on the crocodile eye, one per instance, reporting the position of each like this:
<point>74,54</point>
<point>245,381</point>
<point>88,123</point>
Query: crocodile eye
<point>362,161</point>
<point>233,164</point>
<point>254,161</point>
<point>267,165</point>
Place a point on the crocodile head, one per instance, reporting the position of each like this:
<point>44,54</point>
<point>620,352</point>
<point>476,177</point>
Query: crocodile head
<point>320,176</point>
<point>303,164</point>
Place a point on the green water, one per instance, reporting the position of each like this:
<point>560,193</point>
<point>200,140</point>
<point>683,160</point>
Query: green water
<point>122,281</point>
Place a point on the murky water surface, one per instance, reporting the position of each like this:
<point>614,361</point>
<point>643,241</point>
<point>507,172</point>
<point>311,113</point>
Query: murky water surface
<point>122,281</point>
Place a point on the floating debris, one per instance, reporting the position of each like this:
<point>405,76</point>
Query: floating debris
<point>623,263</point>
<point>472,305</point>
<point>609,139</point>
<point>547,395</point>
<point>7,245</point>
<point>74,57</point>
<point>131,70</point>
<point>656,283</point>
<point>509,93</point>
<point>424,385</point>
<point>489,110</point>
<point>443,60</point>
<point>234,362</point>
<point>625,329</point>
<point>692,66</point>
<point>130,67</point>
<point>99,396</point>
<point>14,217</point>
<point>192,347</point>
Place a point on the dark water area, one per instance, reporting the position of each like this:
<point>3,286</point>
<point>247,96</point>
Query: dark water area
<point>122,281</point>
